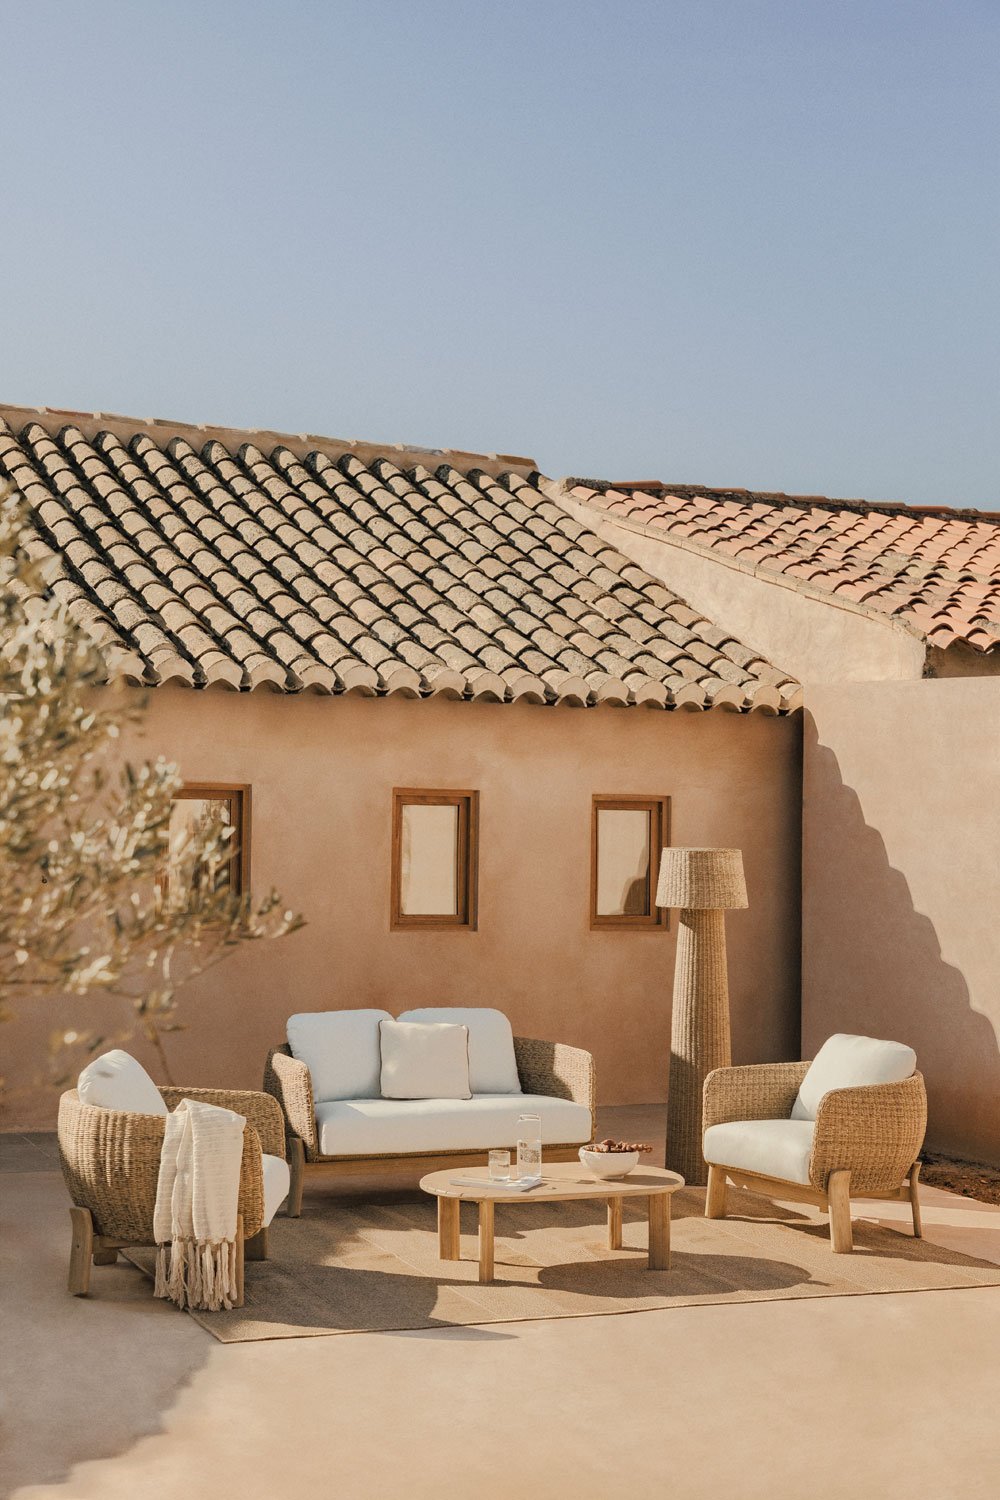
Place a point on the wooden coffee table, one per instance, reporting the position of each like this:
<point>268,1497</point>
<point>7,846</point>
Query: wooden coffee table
<point>565,1182</point>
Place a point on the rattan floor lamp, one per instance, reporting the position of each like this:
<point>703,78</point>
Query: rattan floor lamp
<point>703,884</point>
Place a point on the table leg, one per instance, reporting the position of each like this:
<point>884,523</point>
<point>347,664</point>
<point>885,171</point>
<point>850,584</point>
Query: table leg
<point>449,1229</point>
<point>659,1231</point>
<point>614,1223</point>
<point>486,1241</point>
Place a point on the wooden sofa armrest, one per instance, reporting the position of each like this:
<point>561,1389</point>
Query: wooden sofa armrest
<point>874,1132</point>
<point>111,1164</point>
<point>259,1109</point>
<point>290,1083</point>
<point>755,1091</point>
<point>555,1069</point>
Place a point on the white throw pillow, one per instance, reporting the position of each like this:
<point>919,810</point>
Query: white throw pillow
<point>848,1062</point>
<point>341,1050</point>
<point>117,1081</point>
<point>424,1062</point>
<point>492,1064</point>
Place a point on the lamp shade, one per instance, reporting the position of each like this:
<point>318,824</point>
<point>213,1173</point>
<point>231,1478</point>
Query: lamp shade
<point>702,880</point>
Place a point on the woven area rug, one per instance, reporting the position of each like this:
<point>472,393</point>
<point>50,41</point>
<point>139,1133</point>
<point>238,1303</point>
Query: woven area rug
<point>351,1266</point>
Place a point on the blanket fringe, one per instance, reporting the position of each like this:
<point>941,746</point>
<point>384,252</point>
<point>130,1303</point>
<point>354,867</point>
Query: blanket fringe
<point>197,1275</point>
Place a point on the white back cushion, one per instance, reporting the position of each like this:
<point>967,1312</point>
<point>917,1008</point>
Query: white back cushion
<point>117,1081</point>
<point>340,1048</point>
<point>847,1062</point>
<point>492,1065</point>
<point>424,1061</point>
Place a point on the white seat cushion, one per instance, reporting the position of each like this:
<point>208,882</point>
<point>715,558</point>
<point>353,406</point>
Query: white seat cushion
<point>117,1081</point>
<point>276,1181</point>
<point>772,1148</point>
<point>492,1064</point>
<point>398,1127</point>
<point>848,1062</point>
<point>424,1061</point>
<point>341,1050</point>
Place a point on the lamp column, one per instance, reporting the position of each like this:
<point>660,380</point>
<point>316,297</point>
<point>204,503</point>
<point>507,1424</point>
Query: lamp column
<point>702,884</point>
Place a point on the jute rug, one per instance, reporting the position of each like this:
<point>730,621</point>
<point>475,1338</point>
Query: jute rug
<point>348,1266</point>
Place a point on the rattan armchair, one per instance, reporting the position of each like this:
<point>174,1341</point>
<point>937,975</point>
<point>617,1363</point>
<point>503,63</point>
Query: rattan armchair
<point>111,1162</point>
<point>865,1142</point>
<point>551,1068</point>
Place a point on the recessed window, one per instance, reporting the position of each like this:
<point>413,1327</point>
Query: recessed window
<point>435,840</point>
<point>209,804</point>
<point>627,835</point>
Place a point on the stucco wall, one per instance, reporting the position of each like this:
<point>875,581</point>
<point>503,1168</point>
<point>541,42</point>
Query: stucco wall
<point>816,639</point>
<point>322,772</point>
<point>901,886</point>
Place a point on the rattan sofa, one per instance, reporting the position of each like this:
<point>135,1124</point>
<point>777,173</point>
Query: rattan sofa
<point>544,1068</point>
<point>864,1143</point>
<point>111,1161</point>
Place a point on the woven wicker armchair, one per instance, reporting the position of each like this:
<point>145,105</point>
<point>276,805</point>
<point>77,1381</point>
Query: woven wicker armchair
<point>550,1068</point>
<point>864,1144</point>
<point>111,1162</point>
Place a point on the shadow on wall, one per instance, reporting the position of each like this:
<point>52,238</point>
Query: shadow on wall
<point>872,964</point>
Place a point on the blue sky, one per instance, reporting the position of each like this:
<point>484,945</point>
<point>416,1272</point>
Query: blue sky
<point>749,243</point>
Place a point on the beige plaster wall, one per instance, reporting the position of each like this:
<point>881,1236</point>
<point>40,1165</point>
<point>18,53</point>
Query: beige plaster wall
<point>901,887</point>
<point>816,639</point>
<point>322,772</point>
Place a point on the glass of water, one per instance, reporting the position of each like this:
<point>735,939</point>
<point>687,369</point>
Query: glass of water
<point>529,1148</point>
<point>499,1166</point>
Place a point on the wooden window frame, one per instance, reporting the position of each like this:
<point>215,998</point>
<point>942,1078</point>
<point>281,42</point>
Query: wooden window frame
<point>238,795</point>
<point>658,808</point>
<point>467,871</point>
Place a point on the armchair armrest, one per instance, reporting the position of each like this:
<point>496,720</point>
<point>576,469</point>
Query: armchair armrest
<point>290,1083</point>
<point>874,1132</point>
<point>259,1109</point>
<point>756,1091</point>
<point>555,1069</point>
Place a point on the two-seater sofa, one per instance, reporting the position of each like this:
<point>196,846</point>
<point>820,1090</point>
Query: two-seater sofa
<point>334,1113</point>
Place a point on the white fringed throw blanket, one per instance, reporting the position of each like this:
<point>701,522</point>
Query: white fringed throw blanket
<point>197,1196</point>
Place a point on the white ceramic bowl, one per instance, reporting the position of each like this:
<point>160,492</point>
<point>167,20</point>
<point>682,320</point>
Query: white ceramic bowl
<point>609,1165</point>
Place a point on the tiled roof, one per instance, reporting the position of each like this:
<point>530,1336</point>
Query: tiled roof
<point>935,569</point>
<point>251,559</point>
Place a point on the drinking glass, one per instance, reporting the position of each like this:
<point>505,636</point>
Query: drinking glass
<point>529,1148</point>
<point>499,1166</point>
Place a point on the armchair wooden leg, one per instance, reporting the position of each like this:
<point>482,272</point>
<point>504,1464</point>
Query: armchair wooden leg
<point>104,1255</point>
<point>256,1246</point>
<point>918,1230</point>
<point>81,1250</point>
<point>838,1191</point>
<point>297,1172</point>
<point>715,1197</point>
<point>240,1252</point>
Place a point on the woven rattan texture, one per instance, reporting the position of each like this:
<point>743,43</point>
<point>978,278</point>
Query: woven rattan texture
<point>699,1036</point>
<point>111,1162</point>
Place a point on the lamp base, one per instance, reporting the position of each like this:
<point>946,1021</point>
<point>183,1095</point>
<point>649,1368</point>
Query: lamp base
<point>699,1039</point>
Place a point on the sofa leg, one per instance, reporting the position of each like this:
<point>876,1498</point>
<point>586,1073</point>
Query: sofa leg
<point>918,1230</point>
<point>255,1247</point>
<point>81,1250</point>
<point>297,1172</point>
<point>715,1197</point>
<point>838,1192</point>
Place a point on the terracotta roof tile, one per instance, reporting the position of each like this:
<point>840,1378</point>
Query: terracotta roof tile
<point>218,558</point>
<point>938,573</point>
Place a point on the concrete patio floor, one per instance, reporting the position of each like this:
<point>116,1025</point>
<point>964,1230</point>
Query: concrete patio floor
<point>116,1396</point>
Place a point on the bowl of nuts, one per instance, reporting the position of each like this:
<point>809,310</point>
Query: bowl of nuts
<point>610,1159</point>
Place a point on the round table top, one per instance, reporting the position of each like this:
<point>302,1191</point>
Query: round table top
<point>566,1180</point>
